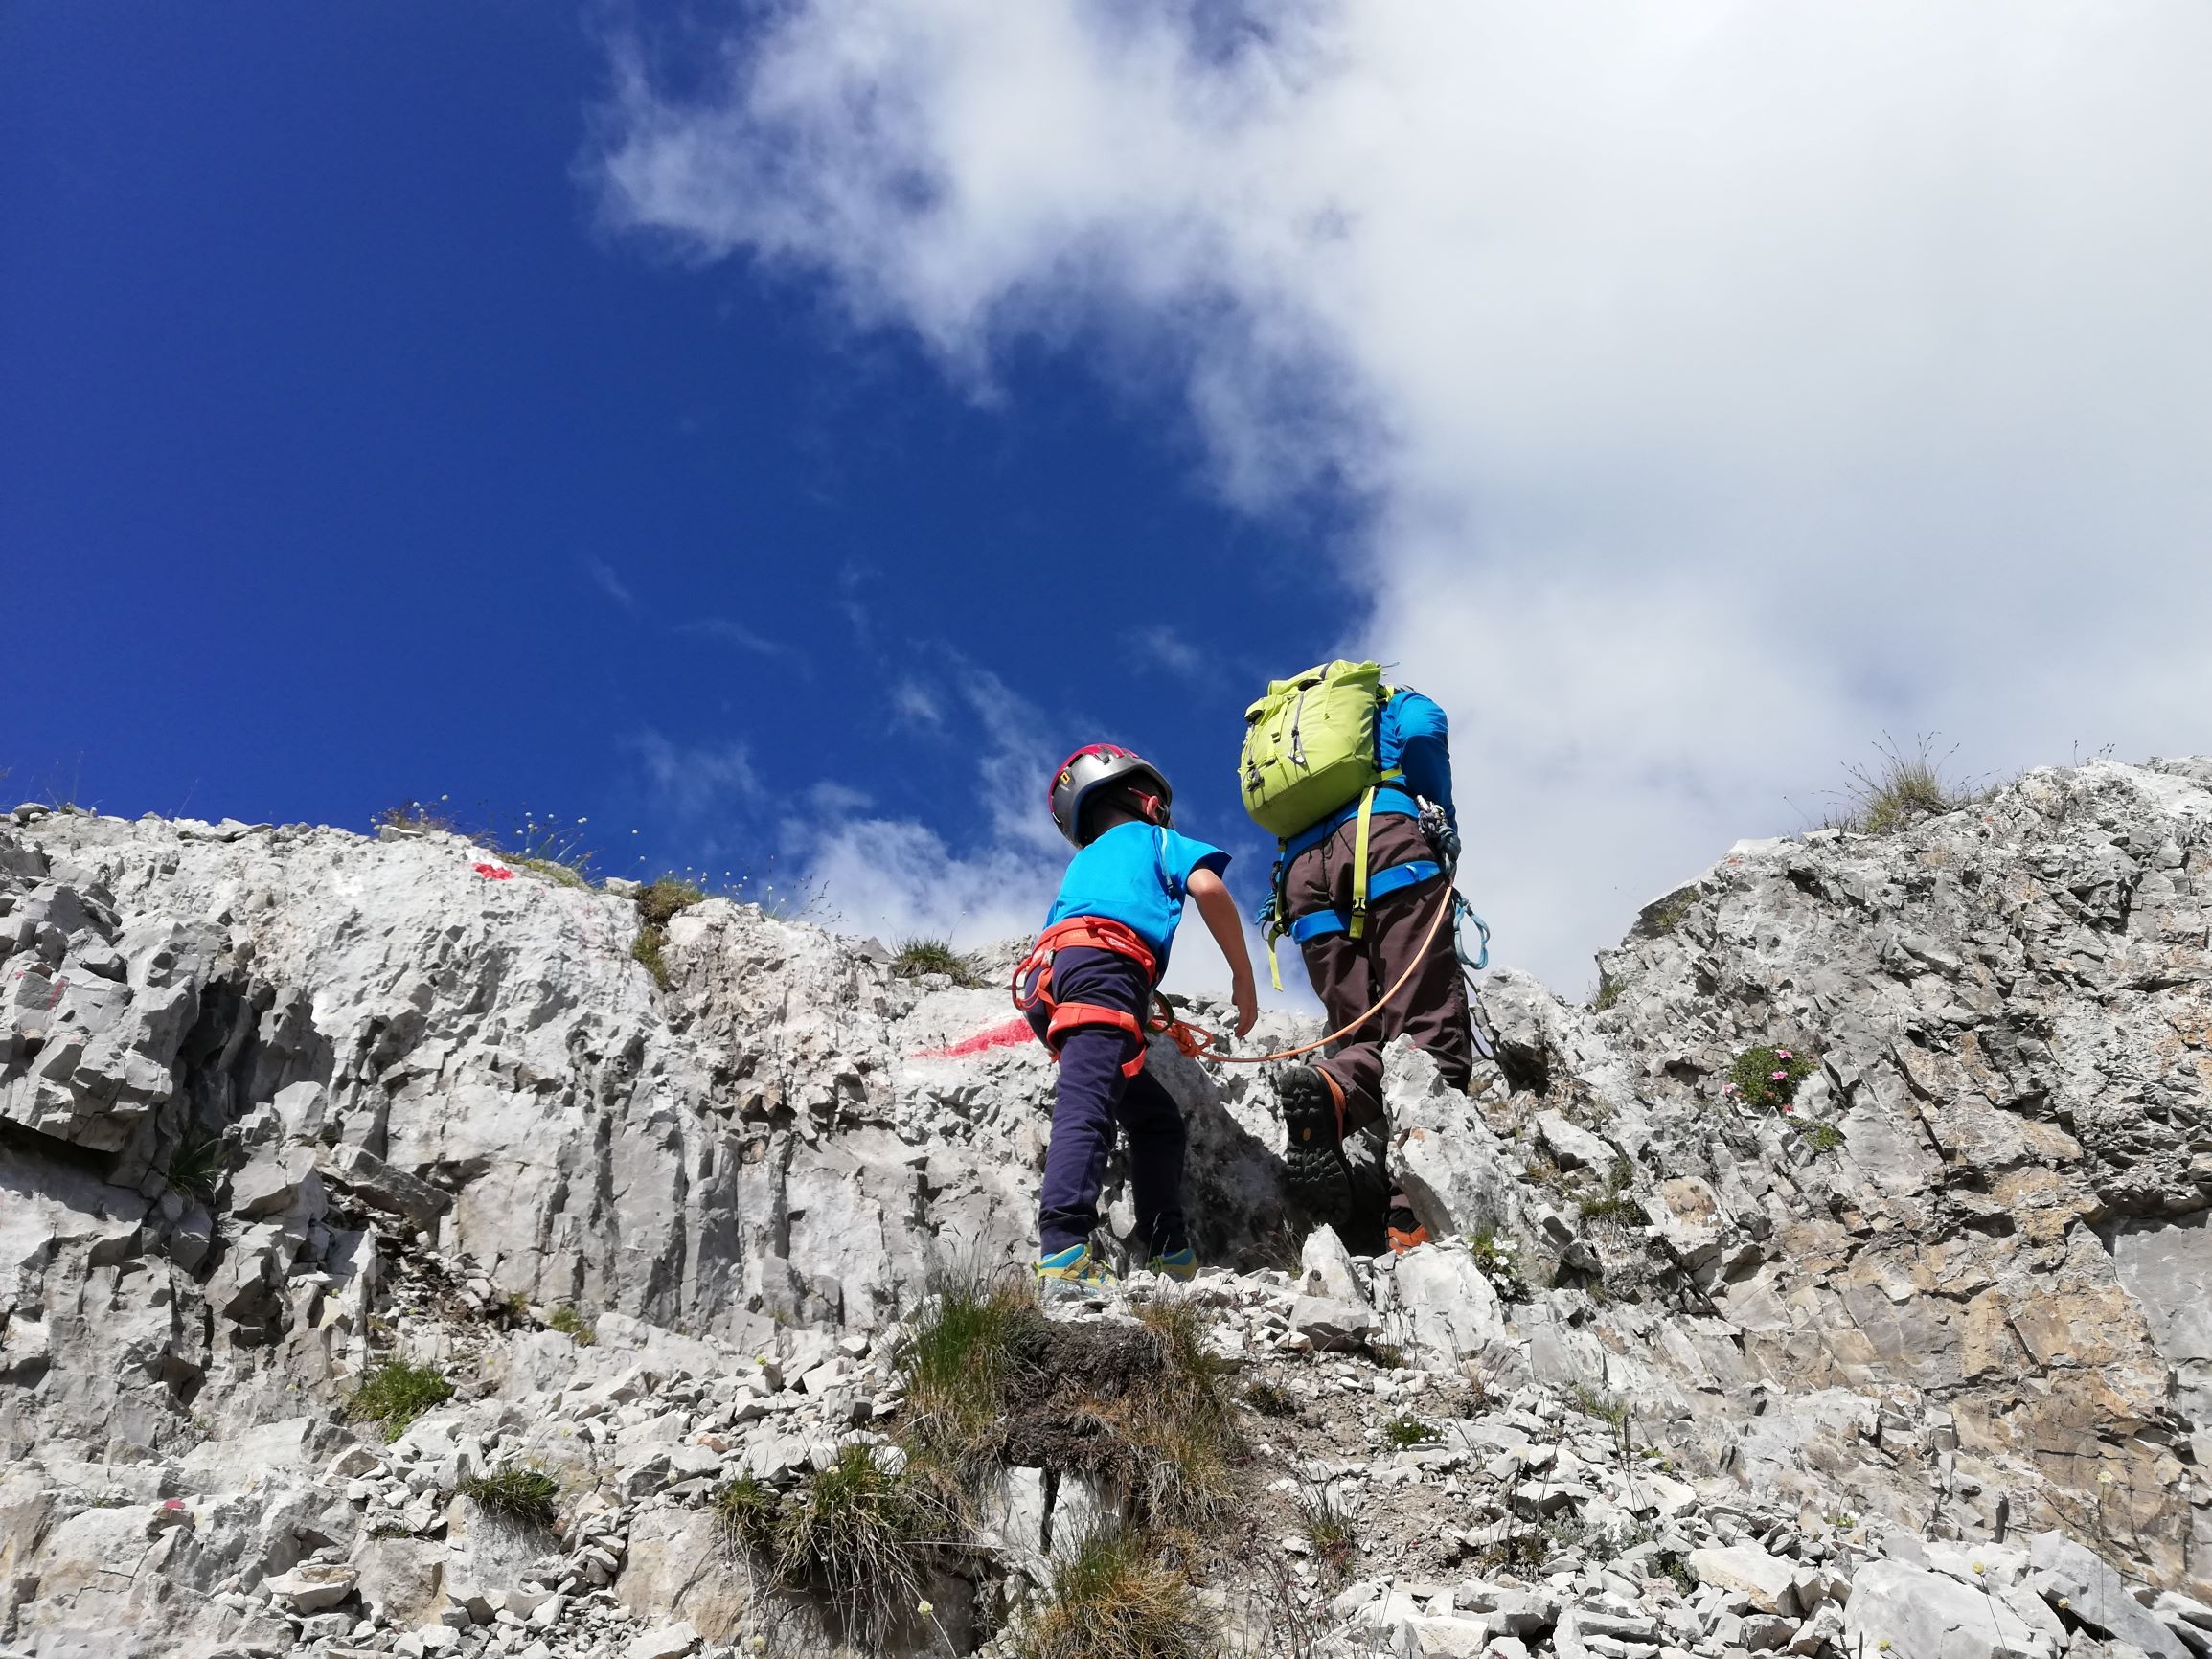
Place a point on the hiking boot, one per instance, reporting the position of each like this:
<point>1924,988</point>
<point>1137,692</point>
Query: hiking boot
<point>1402,1227</point>
<point>1313,1155</point>
<point>1076,1274</point>
<point>1180,1266</point>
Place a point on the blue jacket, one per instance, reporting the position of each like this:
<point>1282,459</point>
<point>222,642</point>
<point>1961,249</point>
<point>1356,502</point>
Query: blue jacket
<point>1412,736</point>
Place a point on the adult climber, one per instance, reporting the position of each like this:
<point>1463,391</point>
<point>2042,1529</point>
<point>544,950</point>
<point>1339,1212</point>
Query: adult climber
<point>1340,767</point>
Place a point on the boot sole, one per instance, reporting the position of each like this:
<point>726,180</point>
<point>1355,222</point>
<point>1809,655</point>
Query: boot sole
<point>1320,1181</point>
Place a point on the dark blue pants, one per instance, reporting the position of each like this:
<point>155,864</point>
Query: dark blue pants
<point>1093,1096</point>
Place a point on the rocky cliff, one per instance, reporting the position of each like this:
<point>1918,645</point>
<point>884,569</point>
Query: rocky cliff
<point>1848,1258</point>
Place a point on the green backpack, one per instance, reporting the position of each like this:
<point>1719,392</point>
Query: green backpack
<point>1309,746</point>
<point>1311,750</point>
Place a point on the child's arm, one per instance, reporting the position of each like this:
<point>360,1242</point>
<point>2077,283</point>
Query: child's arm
<point>1212,897</point>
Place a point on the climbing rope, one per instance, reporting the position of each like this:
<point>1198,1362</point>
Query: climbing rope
<point>1200,1045</point>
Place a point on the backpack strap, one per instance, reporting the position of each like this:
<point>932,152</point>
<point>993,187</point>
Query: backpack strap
<point>1359,894</point>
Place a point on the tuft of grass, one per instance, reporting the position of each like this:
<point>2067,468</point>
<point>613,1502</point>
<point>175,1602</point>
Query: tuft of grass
<point>1618,1208</point>
<point>1116,1599</point>
<point>396,1394</point>
<point>748,1509</point>
<point>956,1363</point>
<point>1823,1136</point>
<point>1183,1421</point>
<point>1329,1532</point>
<point>195,1167</point>
<point>572,1325</point>
<point>1898,789</point>
<point>419,815</point>
<point>527,1497</point>
<point>661,901</point>
<point>1766,1078</point>
<point>1609,994</point>
<point>859,1534</point>
<point>1389,1356</point>
<point>916,957</point>
<point>552,869</point>
<point>1616,1204</point>
<point>1408,1430</point>
<point>1608,1409</point>
<point>658,903</point>
<point>1669,916</point>
<point>1270,1399</point>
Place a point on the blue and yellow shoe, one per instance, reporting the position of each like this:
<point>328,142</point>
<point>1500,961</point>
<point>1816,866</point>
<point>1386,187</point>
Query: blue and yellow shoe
<point>1180,1266</point>
<point>1074,1274</point>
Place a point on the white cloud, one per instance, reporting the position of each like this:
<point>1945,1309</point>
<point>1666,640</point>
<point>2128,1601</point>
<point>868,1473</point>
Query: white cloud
<point>728,632</point>
<point>687,781</point>
<point>915,704</point>
<point>1164,647</point>
<point>1725,382</point>
<point>603,578</point>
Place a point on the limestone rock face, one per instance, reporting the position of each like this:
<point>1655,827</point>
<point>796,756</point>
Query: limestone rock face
<point>278,1102</point>
<point>1984,1209</point>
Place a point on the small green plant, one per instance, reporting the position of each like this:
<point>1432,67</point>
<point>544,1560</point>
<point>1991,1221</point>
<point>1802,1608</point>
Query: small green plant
<point>1183,1421</point>
<point>552,870</point>
<point>572,1325</point>
<point>1497,1256</point>
<point>1389,1356</point>
<point>196,1167</point>
<point>974,1332</point>
<point>395,1393</point>
<point>1328,1532</point>
<point>1765,1079</point>
<point>1116,1599</point>
<point>916,957</point>
<point>1616,1204</point>
<point>748,1509</point>
<point>863,1535</point>
<point>1606,1408</point>
<point>527,1497</point>
<point>1823,1136</point>
<point>1609,994</point>
<point>1526,1548</point>
<point>1673,1564</point>
<point>1270,1399</point>
<point>658,903</point>
<point>1617,1209</point>
<point>1899,791</point>
<point>419,815</point>
<point>1408,1430</point>
<point>1669,916</point>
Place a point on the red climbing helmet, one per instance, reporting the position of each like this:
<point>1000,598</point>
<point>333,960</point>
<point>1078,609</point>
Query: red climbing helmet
<point>1097,764</point>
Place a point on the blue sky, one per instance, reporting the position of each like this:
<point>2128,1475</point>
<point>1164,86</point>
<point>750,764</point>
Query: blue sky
<point>783,431</point>
<point>350,460</point>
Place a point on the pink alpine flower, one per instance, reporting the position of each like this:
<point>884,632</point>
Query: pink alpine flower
<point>1784,1054</point>
<point>1781,1077</point>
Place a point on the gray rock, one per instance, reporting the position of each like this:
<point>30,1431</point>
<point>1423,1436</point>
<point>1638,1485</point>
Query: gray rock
<point>1924,1615</point>
<point>2096,1596</point>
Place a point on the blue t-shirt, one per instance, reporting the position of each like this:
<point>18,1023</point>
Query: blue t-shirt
<point>1135,874</point>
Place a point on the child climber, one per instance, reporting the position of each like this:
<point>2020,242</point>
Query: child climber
<point>1087,988</point>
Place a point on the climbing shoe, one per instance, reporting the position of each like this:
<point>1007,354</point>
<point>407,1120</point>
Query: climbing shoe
<point>1313,1122</point>
<point>1180,1266</point>
<point>1402,1227</point>
<point>1075,1274</point>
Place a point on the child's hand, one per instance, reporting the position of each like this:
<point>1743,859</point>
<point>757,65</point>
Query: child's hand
<point>1247,1001</point>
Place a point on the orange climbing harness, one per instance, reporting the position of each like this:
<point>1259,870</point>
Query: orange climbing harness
<point>1199,1044</point>
<point>1032,982</point>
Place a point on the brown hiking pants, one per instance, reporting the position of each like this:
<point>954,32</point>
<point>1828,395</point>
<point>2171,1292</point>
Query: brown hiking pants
<point>1349,973</point>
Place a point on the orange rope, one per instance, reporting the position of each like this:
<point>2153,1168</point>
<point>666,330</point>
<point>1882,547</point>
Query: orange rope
<point>1199,1044</point>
